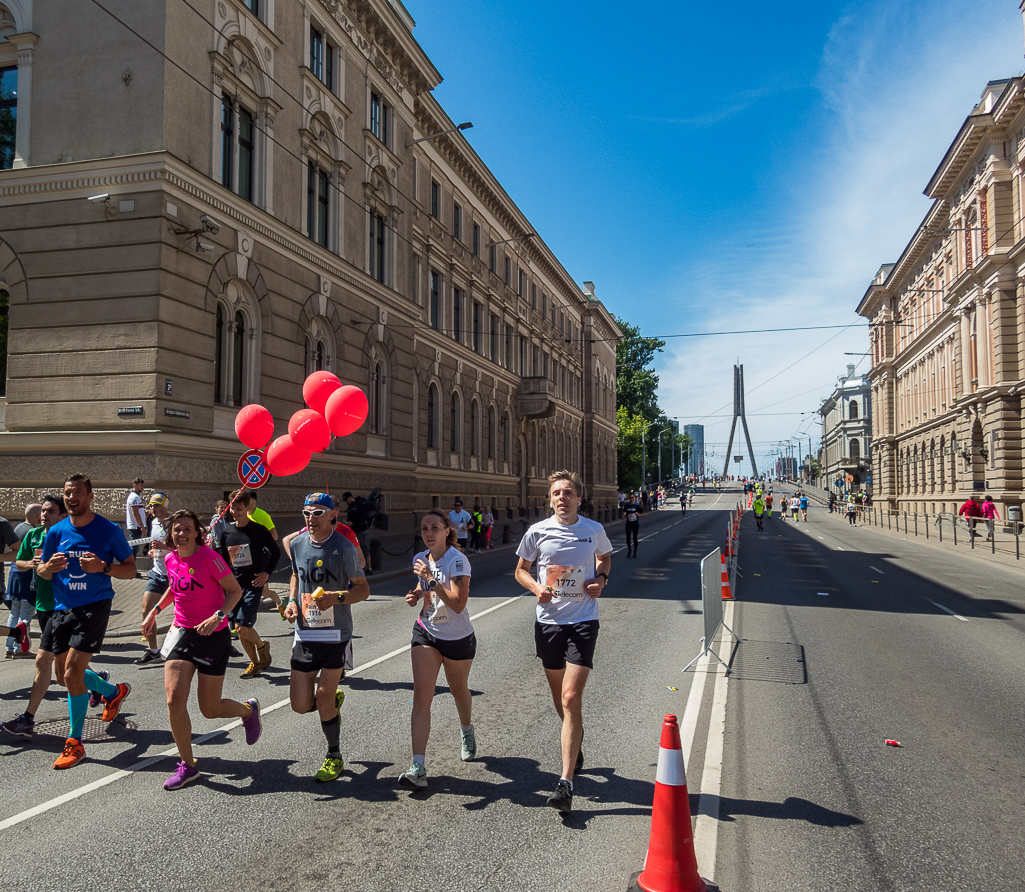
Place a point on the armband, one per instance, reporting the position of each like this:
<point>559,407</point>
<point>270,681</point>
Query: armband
<point>157,608</point>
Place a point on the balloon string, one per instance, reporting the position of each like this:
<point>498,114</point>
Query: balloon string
<point>323,467</point>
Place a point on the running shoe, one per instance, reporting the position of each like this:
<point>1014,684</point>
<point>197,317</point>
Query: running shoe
<point>23,637</point>
<point>183,774</point>
<point>8,654</point>
<point>234,634</point>
<point>252,724</point>
<point>263,652</point>
<point>251,671</point>
<point>95,696</point>
<point>468,750</point>
<point>73,753</point>
<point>415,776</point>
<point>562,799</point>
<point>18,655</point>
<point>339,699</point>
<point>329,771</point>
<point>20,726</point>
<point>151,656</point>
<point>112,707</point>
<point>233,651</point>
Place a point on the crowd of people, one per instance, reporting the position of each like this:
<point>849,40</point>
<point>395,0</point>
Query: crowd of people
<point>215,576</point>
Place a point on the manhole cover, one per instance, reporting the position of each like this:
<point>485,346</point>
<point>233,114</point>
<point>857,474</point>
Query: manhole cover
<point>95,730</point>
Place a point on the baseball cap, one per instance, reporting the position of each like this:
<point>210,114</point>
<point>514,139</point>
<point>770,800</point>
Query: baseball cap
<point>158,498</point>
<point>322,499</point>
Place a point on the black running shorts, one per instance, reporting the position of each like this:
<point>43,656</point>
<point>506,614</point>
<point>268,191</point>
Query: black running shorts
<point>80,628</point>
<point>558,645</point>
<point>208,653</point>
<point>312,656</point>
<point>459,649</point>
<point>245,611</point>
<point>43,617</point>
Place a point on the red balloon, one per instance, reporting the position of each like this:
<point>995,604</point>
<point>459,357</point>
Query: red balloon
<point>346,410</point>
<point>283,457</point>
<point>317,388</point>
<point>309,430</point>
<point>254,426</point>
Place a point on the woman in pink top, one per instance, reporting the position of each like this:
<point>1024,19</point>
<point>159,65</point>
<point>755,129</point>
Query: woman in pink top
<point>204,590</point>
<point>989,511</point>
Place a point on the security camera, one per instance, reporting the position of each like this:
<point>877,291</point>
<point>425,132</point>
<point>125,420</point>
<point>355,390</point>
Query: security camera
<point>211,226</point>
<point>101,197</point>
<point>203,247</point>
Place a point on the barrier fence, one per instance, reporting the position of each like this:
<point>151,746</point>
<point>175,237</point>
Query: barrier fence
<point>711,607</point>
<point>949,528</point>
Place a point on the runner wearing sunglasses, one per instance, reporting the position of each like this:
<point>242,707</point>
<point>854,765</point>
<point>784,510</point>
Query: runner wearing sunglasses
<point>326,580</point>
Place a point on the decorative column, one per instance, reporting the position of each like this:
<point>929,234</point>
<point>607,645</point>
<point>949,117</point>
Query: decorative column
<point>24,44</point>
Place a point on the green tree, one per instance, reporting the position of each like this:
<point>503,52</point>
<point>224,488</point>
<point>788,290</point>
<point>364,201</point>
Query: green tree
<point>636,383</point>
<point>628,448</point>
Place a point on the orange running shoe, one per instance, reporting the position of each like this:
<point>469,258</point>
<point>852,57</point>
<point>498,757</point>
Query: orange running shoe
<point>112,707</point>
<point>73,753</point>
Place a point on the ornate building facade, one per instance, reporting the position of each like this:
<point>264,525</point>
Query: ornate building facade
<point>847,432</point>
<point>205,203</point>
<point>947,331</point>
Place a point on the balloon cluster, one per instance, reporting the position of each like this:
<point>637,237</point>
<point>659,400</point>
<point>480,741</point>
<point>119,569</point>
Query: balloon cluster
<point>335,409</point>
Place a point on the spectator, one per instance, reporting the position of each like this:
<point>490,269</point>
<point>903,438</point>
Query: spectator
<point>489,523</point>
<point>989,511</point>
<point>476,528</point>
<point>460,521</point>
<point>971,510</point>
<point>20,603</point>
<point>358,517</point>
<point>156,579</point>
<point>135,515</point>
<point>258,515</point>
<point>218,524</point>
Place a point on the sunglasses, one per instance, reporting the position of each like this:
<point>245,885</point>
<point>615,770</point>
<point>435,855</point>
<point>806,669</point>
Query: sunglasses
<point>314,512</point>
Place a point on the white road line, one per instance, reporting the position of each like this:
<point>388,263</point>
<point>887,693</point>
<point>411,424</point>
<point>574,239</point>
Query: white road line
<point>706,829</point>
<point>930,600</point>
<point>838,548</point>
<point>70,796</point>
<point>880,572</point>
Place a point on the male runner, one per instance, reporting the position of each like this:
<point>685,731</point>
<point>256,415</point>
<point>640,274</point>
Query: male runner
<point>460,520</point>
<point>79,555</point>
<point>258,515</point>
<point>252,555</point>
<point>326,580</point>
<point>631,512</point>
<point>573,556</point>
<point>156,578</point>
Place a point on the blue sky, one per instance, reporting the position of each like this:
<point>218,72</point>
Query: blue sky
<point>713,167</point>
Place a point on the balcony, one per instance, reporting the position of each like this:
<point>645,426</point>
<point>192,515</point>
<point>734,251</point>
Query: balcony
<point>535,398</point>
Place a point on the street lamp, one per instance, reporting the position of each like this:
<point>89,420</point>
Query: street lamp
<point>644,455</point>
<point>516,238</point>
<point>664,430</point>
<point>466,125</point>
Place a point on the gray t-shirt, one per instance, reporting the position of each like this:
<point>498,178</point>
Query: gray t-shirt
<point>328,565</point>
<point>8,539</point>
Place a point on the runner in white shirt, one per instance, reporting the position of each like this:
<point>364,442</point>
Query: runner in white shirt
<point>442,636</point>
<point>459,518</point>
<point>573,556</point>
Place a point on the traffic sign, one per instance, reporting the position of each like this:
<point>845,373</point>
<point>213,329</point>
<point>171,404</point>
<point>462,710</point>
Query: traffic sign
<point>252,472</point>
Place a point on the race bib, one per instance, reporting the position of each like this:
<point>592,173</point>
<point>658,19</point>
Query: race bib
<point>313,616</point>
<point>437,614</point>
<point>241,555</point>
<point>567,583</point>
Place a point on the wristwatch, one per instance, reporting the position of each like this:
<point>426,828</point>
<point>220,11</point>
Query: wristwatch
<point>106,567</point>
<point>219,614</point>
<point>432,582</point>
<point>604,576</point>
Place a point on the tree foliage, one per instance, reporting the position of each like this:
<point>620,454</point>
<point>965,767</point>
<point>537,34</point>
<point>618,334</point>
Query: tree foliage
<point>636,383</point>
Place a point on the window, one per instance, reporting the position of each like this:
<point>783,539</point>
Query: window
<point>435,300</point>
<point>508,271</point>
<point>377,396</point>
<point>377,231</point>
<point>476,240</point>
<point>494,338</point>
<point>457,221</point>
<point>457,314</point>
<point>8,115</point>
<point>454,419</point>
<point>432,417</point>
<point>506,438</point>
<point>508,347</point>
<point>522,288</point>
<point>523,356</point>
<point>855,451</point>
<point>491,432</point>
<point>537,363</point>
<point>492,258</point>
<point>478,324</point>
<point>544,304</point>
<point>317,47</point>
<point>227,141</point>
<point>474,428</point>
<point>533,296</point>
<point>245,154</point>
<point>380,118</point>
<point>317,204</point>
<point>253,6</point>
<point>853,410</point>
<point>235,350</point>
<point>435,200</point>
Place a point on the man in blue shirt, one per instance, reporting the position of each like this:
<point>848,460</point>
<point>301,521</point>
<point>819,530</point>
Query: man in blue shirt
<point>80,555</point>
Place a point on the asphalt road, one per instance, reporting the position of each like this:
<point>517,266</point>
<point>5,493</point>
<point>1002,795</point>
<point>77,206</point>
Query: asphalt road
<point>850,637</point>
<point>258,820</point>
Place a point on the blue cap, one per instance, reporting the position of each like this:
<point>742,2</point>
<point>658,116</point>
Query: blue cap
<point>322,499</point>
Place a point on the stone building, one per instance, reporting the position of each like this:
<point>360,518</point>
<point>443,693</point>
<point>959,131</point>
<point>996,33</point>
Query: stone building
<point>946,328</point>
<point>203,203</point>
<point>847,432</point>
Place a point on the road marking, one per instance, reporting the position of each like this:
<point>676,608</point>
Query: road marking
<point>822,537</point>
<point>880,572</point>
<point>142,765</point>
<point>824,594</point>
<point>838,548</point>
<point>930,600</point>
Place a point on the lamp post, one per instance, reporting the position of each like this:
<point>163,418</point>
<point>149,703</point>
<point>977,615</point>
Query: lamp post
<point>466,125</point>
<point>664,430</point>
<point>644,455</point>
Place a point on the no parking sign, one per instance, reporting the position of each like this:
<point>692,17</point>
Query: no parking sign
<point>252,472</point>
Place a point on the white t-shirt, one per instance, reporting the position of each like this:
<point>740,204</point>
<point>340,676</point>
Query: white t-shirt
<point>157,531</point>
<point>565,557</point>
<point>436,616</point>
<point>459,520</point>
<point>135,501</point>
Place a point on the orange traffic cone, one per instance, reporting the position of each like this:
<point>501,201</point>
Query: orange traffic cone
<point>727,595</point>
<point>671,865</point>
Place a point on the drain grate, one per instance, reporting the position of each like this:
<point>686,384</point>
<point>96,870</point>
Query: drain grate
<point>777,661</point>
<point>95,730</point>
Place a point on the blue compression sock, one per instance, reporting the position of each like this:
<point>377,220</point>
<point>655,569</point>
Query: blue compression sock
<point>101,686</point>
<point>77,708</point>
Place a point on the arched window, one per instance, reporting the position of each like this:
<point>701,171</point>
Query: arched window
<point>542,449</point>
<point>238,358</point>
<point>474,428</point>
<point>491,432</point>
<point>853,410</point>
<point>377,396</point>
<point>855,451</point>
<point>237,347</point>
<point>506,438</point>
<point>432,416</point>
<point>454,421</point>
<point>319,346</point>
